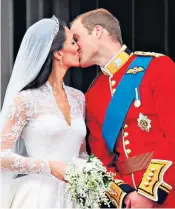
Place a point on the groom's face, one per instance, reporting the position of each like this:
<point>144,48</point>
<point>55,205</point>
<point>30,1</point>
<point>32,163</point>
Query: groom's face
<point>86,43</point>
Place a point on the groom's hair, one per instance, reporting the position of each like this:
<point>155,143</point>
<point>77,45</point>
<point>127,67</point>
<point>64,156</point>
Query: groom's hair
<point>104,18</point>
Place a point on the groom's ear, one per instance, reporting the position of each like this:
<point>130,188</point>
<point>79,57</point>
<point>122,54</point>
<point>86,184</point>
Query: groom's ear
<point>98,29</point>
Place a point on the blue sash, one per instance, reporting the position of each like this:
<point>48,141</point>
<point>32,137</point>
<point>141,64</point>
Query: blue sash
<point>122,100</point>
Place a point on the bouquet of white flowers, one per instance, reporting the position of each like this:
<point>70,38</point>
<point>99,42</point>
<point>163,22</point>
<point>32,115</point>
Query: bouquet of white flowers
<point>88,182</point>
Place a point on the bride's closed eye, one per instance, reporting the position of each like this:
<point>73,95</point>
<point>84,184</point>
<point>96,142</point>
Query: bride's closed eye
<point>73,42</point>
<point>76,38</point>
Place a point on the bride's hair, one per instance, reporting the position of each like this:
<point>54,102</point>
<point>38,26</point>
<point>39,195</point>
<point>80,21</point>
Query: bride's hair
<point>46,69</point>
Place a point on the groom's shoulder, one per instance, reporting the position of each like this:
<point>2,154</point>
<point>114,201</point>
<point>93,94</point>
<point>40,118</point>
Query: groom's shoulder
<point>158,58</point>
<point>148,54</point>
<point>159,63</point>
<point>95,80</point>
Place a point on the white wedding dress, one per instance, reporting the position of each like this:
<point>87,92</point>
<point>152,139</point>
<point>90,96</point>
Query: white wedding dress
<point>37,119</point>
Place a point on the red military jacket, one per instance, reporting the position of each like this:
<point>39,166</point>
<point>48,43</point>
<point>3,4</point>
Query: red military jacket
<point>157,97</point>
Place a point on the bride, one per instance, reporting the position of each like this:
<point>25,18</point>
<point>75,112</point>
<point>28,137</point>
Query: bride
<point>43,115</point>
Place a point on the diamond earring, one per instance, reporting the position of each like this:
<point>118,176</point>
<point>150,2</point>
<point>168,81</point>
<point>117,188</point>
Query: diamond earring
<point>61,62</point>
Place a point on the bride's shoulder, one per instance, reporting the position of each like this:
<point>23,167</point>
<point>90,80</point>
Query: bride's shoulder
<point>26,96</point>
<point>20,103</point>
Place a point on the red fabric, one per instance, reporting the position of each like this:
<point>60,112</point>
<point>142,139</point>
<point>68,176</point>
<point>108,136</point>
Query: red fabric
<point>157,92</point>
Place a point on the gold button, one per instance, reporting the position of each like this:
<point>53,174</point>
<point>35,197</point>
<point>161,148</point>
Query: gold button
<point>151,174</point>
<point>153,169</point>
<point>113,91</point>
<point>149,179</point>
<point>126,134</point>
<point>146,183</point>
<point>127,142</point>
<point>125,126</point>
<point>128,151</point>
<point>113,83</point>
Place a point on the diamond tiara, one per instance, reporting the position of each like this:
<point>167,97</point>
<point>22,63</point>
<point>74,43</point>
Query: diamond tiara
<point>57,27</point>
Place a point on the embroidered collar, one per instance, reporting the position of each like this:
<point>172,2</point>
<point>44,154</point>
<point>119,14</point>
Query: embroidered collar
<point>117,61</point>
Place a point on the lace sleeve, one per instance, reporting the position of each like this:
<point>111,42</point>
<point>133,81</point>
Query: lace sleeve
<point>16,119</point>
<point>83,153</point>
<point>83,106</point>
<point>81,100</point>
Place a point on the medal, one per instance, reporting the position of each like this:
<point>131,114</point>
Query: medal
<point>137,103</point>
<point>144,122</point>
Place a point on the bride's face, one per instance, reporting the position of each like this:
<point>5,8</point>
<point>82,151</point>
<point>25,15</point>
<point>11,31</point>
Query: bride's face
<point>70,51</point>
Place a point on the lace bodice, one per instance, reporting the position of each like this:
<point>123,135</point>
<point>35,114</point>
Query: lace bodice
<point>36,118</point>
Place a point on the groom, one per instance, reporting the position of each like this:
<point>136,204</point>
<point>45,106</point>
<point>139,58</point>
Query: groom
<point>130,112</point>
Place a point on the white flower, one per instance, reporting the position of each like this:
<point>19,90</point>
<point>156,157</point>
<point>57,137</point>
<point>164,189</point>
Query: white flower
<point>86,182</point>
<point>80,163</point>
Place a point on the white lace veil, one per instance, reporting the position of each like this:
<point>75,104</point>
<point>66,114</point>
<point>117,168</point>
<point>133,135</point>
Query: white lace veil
<point>31,56</point>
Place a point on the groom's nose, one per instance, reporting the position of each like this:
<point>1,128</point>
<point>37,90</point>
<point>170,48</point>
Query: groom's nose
<point>78,44</point>
<point>78,48</point>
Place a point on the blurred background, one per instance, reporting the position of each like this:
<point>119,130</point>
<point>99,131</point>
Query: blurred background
<point>147,25</point>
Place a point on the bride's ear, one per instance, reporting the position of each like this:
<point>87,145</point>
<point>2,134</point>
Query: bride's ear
<point>58,55</point>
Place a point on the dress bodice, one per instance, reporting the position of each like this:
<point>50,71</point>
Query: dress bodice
<point>35,118</point>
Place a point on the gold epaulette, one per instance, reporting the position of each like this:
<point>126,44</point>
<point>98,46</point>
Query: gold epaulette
<point>154,54</point>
